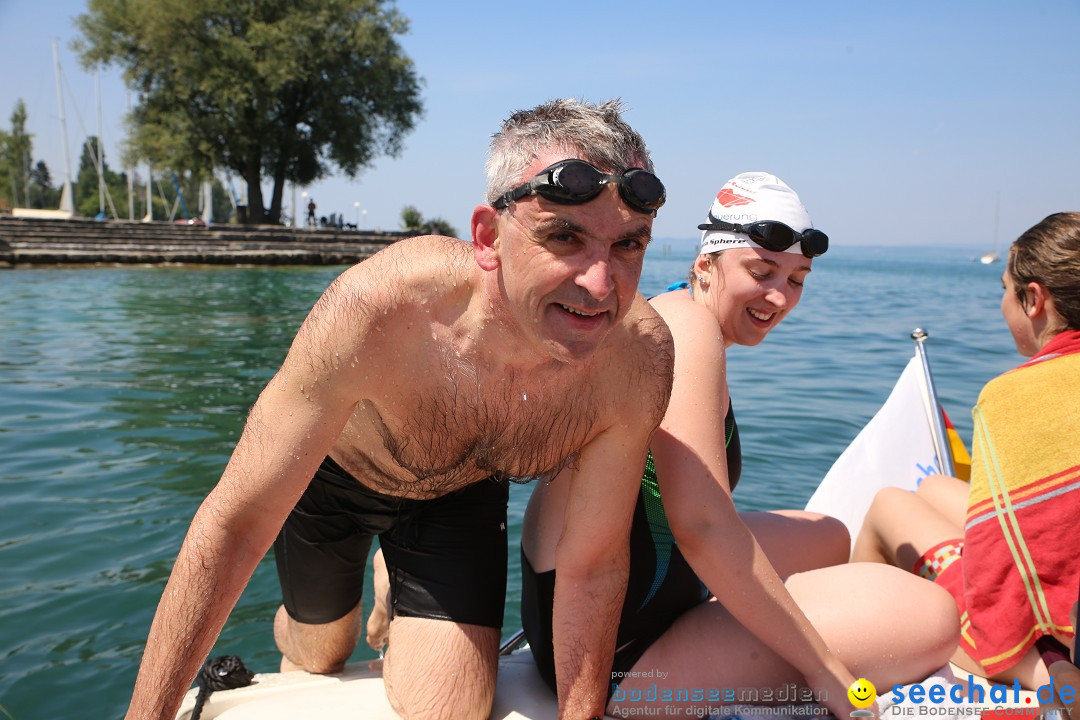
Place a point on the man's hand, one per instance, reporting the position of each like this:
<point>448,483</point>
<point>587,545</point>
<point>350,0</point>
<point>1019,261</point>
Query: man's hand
<point>833,681</point>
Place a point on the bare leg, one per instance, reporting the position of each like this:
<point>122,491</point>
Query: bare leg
<point>1030,671</point>
<point>1065,674</point>
<point>378,623</point>
<point>797,541</point>
<point>947,495</point>
<point>1068,674</point>
<point>440,669</point>
<point>858,609</point>
<point>322,648</point>
<point>899,527</point>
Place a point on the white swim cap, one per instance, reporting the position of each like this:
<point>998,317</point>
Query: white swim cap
<point>753,197</point>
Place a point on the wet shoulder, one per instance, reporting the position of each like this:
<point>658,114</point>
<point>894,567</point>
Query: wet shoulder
<point>414,272</point>
<point>686,319</point>
<point>644,359</point>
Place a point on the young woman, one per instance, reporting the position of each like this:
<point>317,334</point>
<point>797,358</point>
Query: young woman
<point>705,605</point>
<point>1005,545</point>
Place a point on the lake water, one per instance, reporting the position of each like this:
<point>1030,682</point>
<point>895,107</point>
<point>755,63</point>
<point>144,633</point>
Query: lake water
<point>123,390</point>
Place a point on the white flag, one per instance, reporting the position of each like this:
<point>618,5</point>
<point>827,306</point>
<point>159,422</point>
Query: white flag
<point>894,449</point>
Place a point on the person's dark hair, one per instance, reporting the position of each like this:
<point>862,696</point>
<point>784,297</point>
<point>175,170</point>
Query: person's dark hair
<point>1049,254</point>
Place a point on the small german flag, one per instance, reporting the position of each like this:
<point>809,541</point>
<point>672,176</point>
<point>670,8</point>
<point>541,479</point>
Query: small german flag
<point>961,457</point>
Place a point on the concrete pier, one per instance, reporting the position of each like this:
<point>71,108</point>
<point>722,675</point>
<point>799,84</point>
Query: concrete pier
<point>25,242</point>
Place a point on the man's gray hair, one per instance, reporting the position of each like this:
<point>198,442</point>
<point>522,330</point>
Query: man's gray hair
<point>595,133</point>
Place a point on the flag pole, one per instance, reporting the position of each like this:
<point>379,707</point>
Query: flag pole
<point>937,424</point>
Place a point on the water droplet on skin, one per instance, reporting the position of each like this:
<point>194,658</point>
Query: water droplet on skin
<point>524,396</point>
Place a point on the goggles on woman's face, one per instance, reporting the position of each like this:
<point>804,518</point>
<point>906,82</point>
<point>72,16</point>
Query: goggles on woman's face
<point>573,182</point>
<point>775,236</point>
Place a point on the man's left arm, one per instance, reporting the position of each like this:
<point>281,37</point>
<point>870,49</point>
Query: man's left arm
<point>592,561</point>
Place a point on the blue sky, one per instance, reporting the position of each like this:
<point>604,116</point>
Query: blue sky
<point>898,123</point>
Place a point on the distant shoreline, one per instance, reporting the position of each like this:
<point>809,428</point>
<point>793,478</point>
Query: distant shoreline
<point>80,241</point>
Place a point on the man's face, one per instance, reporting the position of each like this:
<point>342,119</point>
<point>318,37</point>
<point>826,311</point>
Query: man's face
<point>570,272</point>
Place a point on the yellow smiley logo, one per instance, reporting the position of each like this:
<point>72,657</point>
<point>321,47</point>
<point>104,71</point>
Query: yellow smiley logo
<point>862,693</point>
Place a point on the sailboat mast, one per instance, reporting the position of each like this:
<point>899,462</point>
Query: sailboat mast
<point>66,200</point>
<point>997,212</point>
<point>149,195</point>
<point>100,151</point>
<point>130,170</point>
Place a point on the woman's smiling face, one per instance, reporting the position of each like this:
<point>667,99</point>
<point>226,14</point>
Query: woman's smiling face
<point>752,289</point>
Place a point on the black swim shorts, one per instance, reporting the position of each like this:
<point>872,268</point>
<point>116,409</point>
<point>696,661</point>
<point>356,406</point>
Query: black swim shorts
<point>446,557</point>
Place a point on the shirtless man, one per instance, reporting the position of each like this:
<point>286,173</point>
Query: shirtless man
<point>422,382</point>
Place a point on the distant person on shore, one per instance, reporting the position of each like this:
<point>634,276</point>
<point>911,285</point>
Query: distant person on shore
<point>311,213</point>
<point>424,381</point>
<point>707,605</point>
<point>1005,545</point>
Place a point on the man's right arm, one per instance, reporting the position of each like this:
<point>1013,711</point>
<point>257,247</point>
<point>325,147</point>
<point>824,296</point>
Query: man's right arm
<point>288,432</point>
<point>592,557</point>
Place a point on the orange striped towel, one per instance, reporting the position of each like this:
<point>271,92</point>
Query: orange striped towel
<point>1021,541</point>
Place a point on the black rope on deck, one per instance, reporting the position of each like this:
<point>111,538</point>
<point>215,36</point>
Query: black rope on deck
<point>222,673</point>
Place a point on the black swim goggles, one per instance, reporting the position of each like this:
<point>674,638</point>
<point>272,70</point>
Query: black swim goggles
<point>775,236</point>
<point>573,182</point>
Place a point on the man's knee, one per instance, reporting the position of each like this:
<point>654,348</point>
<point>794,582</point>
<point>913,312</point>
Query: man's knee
<point>322,649</point>
<point>439,669</point>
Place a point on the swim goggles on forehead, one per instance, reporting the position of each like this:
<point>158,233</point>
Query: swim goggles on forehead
<point>775,236</point>
<point>573,182</point>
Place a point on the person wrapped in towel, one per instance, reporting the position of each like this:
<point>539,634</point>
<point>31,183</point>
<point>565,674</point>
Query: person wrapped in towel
<point>1005,546</point>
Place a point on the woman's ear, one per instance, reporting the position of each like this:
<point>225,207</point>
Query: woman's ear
<point>703,265</point>
<point>1035,299</point>
<point>485,237</point>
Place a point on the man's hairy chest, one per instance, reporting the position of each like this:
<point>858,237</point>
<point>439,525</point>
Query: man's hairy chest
<point>460,431</point>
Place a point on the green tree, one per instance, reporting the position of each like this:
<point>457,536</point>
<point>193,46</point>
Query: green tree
<point>42,192</point>
<point>191,188</point>
<point>15,149</point>
<point>283,89</point>
<point>438,226</point>
<point>7,199</point>
<point>412,220</point>
<point>86,193</point>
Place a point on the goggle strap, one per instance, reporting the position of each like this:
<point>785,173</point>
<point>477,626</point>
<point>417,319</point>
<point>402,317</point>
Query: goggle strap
<point>548,180</point>
<point>514,195</point>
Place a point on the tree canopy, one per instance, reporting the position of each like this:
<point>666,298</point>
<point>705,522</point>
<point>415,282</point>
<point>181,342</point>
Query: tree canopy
<point>15,166</point>
<point>412,220</point>
<point>286,89</point>
<point>23,184</point>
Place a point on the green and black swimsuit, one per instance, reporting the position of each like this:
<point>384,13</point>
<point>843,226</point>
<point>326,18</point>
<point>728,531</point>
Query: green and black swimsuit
<point>661,586</point>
